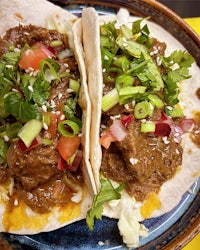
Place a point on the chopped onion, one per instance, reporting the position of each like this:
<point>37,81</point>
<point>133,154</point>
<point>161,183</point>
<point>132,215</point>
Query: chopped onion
<point>162,129</point>
<point>65,53</point>
<point>186,124</point>
<point>118,130</point>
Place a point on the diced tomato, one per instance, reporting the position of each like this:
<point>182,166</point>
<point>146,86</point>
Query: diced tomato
<point>32,57</point>
<point>106,139</point>
<point>36,142</point>
<point>67,146</point>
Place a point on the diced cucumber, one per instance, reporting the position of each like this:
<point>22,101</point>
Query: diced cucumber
<point>29,131</point>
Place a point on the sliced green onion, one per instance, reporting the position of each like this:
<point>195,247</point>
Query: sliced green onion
<point>124,80</point>
<point>29,131</point>
<point>122,62</point>
<point>143,109</point>
<point>148,126</point>
<point>131,90</point>
<point>155,100</point>
<point>46,118</point>
<point>46,141</point>
<point>110,100</point>
<point>174,112</point>
<point>71,158</point>
<point>74,85</point>
<point>68,124</point>
<point>56,43</point>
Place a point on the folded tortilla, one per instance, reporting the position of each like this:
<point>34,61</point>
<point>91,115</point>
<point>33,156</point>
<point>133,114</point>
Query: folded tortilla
<point>23,220</point>
<point>172,190</point>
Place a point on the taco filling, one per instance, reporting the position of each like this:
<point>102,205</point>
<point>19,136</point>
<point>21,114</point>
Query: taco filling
<point>142,122</point>
<point>40,119</point>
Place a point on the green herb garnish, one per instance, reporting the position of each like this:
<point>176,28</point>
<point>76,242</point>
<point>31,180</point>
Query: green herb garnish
<point>107,193</point>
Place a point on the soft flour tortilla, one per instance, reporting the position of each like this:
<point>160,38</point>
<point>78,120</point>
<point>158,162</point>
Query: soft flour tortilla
<point>171,191</point>
<point>22,220</point>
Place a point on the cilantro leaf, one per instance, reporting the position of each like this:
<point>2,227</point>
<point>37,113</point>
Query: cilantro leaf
<point>20,109</point>
<point>107,193</point>
<point>41,91</point>
<point>69,110</point>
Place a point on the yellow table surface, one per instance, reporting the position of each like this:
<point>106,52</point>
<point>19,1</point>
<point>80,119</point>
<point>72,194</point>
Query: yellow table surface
<point>195,243</point>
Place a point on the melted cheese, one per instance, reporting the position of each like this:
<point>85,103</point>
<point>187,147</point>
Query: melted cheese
<point>151,204</point>
<point>18,216</point>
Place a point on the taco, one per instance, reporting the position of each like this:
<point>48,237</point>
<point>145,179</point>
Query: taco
<point>45,175</point>
<point>142,85</point>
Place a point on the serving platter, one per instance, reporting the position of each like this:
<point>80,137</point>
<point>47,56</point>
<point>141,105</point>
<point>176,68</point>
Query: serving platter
<point>172,230</point>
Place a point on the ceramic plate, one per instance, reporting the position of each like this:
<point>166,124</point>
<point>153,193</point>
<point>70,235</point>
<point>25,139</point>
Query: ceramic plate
<point>169,231</point>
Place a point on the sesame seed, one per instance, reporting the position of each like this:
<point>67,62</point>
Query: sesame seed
<point>62,117</point>
<point>15,90</point>
<point>52,103</point>
<point>9,66</point>
<point>125,44</point>
<point>57,112</point>
<point>126,106</point>
<point>16,202</point>
<point>104,70</point>
<point>169,107</point>
<point>59,95</point>
<point>101,243</point>
<point>45,126</point>
<point>6,138</point>
<point>103,126</point>
<point>30,88</point>
<point>165,140</point>
<point>115,117</point>
<point>133,161</point>
<point>66,65</point>
<point>69,90</point>
<point>16,50</point>
<point>44,108</point>
<point>106,57</point>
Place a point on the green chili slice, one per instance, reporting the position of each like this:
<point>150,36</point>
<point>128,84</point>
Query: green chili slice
<point>68,128</point>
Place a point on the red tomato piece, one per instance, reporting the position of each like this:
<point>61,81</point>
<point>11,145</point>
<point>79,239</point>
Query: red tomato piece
<point>106,139</point>
<point>67,146</point>
<point>31,58</point>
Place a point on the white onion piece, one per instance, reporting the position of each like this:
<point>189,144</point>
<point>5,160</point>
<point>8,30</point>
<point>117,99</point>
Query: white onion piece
<point>65,53</point>
<point>118,130</point>
<point>186,124</point>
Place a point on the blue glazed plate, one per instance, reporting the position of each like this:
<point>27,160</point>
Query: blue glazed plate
<point>169,231</point>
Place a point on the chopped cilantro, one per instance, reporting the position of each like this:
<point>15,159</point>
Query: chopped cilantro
<point>131,57</point>
<point>107,193</point>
